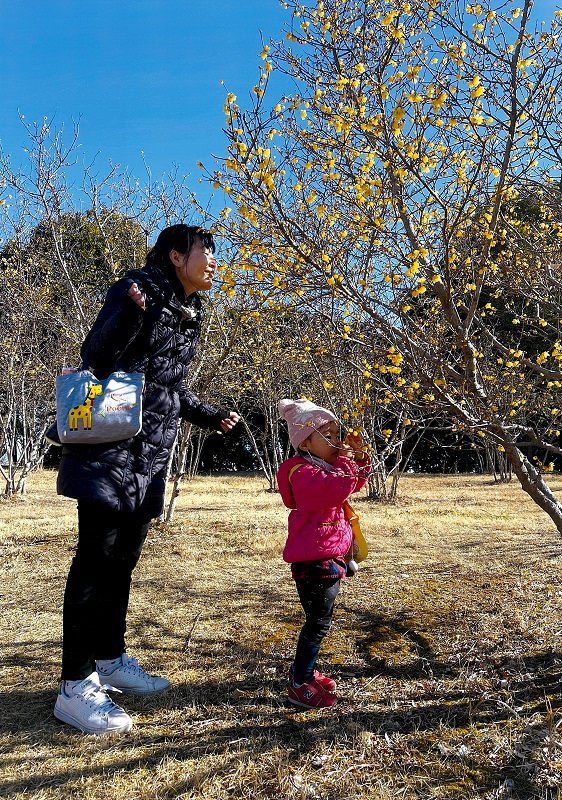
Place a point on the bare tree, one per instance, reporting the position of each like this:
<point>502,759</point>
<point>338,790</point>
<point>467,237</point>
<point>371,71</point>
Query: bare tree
<point>56,263</point>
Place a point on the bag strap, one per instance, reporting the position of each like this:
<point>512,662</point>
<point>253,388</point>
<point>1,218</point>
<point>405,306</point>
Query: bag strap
<point>292,470</point>
<point>144,361</point>
<point>348,511</point>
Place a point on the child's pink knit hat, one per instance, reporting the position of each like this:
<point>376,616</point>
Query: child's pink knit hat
<point>303,418</point>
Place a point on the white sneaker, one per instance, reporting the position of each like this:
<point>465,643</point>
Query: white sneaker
<point>88,707</point>
<point>129,678</point>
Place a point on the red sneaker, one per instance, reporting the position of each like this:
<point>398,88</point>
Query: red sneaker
<point>311,695</point>
<point>323,680</point>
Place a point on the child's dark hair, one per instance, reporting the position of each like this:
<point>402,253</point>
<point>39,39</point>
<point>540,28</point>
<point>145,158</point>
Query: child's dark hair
<point>177,237</point>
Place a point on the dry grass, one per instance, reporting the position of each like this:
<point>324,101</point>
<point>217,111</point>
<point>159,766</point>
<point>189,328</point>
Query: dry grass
<point>447,648</point>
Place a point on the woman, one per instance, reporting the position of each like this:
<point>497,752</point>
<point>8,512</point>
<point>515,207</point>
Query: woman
<point>152,317</point>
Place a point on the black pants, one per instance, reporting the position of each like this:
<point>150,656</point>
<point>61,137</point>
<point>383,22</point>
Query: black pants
<point>317,598</point>
<point>98,585</point>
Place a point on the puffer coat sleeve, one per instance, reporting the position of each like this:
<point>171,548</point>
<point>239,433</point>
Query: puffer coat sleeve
<point>115,329</point>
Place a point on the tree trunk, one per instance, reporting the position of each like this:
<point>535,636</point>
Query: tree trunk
<point>533,483</point>
<point>263,460</point>
<point>168,515</point>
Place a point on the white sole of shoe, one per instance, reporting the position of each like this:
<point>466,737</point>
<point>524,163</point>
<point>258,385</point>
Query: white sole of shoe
<point>64,717</point>
<point>311,708</point>
<point>128,690</point>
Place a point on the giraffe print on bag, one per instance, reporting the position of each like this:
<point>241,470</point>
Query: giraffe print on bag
<point>84,410</point>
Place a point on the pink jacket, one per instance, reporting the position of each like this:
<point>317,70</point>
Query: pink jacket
<point>318,528</point>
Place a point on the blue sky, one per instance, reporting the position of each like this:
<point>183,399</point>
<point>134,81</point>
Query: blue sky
<point>138,75</point>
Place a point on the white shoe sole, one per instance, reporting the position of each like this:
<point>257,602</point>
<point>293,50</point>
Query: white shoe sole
<point>127,689</point>
<point>64,717</point>
<point>310,708</point>
<point>144,693</point>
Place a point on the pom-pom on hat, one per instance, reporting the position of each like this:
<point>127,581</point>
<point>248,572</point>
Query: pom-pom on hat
<point>303,418</point>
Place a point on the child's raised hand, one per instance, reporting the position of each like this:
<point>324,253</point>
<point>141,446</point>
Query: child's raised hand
<point>353,443</point>
<point>354,440</point>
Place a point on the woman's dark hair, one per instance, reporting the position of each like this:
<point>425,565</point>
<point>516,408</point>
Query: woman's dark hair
<point>177,237</point>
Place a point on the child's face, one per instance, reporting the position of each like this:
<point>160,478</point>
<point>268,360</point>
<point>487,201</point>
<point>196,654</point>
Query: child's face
<point>324,443</point>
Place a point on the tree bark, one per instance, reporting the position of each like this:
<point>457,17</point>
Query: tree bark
<point>533,483</point>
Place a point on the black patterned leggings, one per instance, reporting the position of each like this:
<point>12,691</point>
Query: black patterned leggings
<point>317,598</point>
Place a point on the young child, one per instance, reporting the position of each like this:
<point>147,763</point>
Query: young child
<point>314,484</point>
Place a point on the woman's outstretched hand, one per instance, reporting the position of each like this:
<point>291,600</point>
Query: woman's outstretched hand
<point>229,422</point>
<point>137,296</point>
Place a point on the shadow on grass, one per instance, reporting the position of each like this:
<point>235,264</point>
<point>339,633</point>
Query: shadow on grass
<point>258,720</point>
<point>253,720</point>
<point>246,736</point>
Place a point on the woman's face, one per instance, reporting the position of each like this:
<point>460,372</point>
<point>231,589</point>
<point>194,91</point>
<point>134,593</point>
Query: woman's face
<point>324,443</point>
<point>195,270</point>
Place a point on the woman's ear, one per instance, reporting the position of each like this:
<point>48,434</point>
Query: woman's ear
<point>175,258</point>
<point>304,446</point>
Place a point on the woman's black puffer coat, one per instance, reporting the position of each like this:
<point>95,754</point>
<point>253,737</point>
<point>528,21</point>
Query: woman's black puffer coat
<point>129,475</point>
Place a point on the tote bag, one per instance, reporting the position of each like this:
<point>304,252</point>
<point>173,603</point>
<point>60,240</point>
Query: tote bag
<point>92,411</point>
